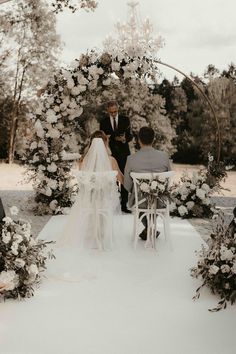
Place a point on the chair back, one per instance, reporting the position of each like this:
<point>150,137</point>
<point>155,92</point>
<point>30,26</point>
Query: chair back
<point>96,188</point>
<point>140,199</point>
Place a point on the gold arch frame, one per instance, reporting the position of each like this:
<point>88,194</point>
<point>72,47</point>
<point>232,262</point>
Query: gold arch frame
<point>218,135</point>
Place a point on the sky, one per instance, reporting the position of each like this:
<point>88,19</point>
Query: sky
<point>196,33</point>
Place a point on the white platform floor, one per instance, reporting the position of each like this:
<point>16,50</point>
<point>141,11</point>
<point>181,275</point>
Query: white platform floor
<point>125,302</point>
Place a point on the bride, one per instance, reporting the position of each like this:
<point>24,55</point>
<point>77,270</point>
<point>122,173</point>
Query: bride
<point>90,220</point>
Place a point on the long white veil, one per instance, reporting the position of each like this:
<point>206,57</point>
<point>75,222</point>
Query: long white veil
<point>97,189</point>
<point>96,159</point>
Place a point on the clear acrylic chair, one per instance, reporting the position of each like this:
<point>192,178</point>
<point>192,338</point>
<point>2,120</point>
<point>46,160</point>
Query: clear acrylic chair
<point>142,208</point>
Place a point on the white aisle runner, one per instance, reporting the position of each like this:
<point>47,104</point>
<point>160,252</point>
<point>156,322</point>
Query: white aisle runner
<point>125,302</point>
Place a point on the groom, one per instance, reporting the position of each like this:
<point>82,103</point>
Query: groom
<point>117,127</point>
<point>147,159</point>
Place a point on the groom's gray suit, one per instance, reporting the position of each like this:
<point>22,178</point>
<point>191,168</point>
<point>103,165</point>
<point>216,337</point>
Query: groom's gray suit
<point>147,159</point>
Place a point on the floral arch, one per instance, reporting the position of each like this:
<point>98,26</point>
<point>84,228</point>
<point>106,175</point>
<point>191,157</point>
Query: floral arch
<point>94,78</point>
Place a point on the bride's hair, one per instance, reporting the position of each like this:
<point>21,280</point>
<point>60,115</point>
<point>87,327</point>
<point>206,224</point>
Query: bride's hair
<point>99,134</point>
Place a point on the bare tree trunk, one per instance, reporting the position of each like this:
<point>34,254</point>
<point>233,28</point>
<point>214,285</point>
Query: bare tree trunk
<point>14,123</point>
<point>15,111</point>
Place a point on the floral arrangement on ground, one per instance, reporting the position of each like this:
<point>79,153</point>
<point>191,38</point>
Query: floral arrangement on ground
<point>22,258</point>
<point>217,263</point>
<point>192,197</point>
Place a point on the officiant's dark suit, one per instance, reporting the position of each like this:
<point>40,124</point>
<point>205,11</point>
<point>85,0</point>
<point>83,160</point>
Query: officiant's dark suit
<point>118,128</point>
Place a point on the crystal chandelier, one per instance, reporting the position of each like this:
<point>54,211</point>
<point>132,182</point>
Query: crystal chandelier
<point>135,37</point>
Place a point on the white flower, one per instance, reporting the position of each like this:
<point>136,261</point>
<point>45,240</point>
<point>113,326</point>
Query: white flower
<point>144,187</point>
<point>7,220</point>
<point>225,268</point>
<point>35,158</point>
<point>33,145</point>
<point>154,184</point>
<point>53,133</point>
<point>52,183</point>
<point>75,91</point>
<point>14,248</point>
<point>233,268</point>
<point>205,187</point>
<point>115,66</point>
<point>20,263</point>
<point>52,168</point>
<point>213,269</point>
<point>161,179</point>
<point>53,204</point>
<point>18,238</point>
<point>9,278</point>
<point>172,206</point>
<point>39,129</point>
<point>33,269</point>
<point>226,254</point>
<point>41,168</point>
<point>192,186</point>
<point>106,82</point>
<point>190,205</point>
<point>182,210</point>
<point>200,193</point>
<point>14,210</point>
<point>210,158</point>
<point>51,116</point>
<point>6,238</point>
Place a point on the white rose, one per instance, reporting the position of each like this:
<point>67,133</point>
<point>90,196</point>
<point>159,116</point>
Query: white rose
<point>9,278</point>
<point>115,66</point>
<point>35,158</point>
<point>7,220</point>
<point>56,109</point>
<point>154,184</point>
<point>233,268</point>
<point>182,210</point>
<point>52,167</point>
<point>18,238</point>
<point>53,204</point>
<point>41,168</point>
<point>19,263</point>
<point>70,83</point>
<point>51,116</point>
<point>53,133</point>
<point>225,268</point>
<point>200,193</point>
<point>213,269</point>
<point>192,186</point>
<point>14,248</point>
<point>33,269</point>
<point>6,238</point>
<point>190,205</point>
<point>33,145</point>
<point>144,187</point>
<point>52,183</point>
<point>205,187</point>
<point>226,254</point>
<point>106,82</point>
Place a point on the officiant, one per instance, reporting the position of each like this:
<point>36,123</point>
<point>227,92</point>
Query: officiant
<point>117,127</point>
